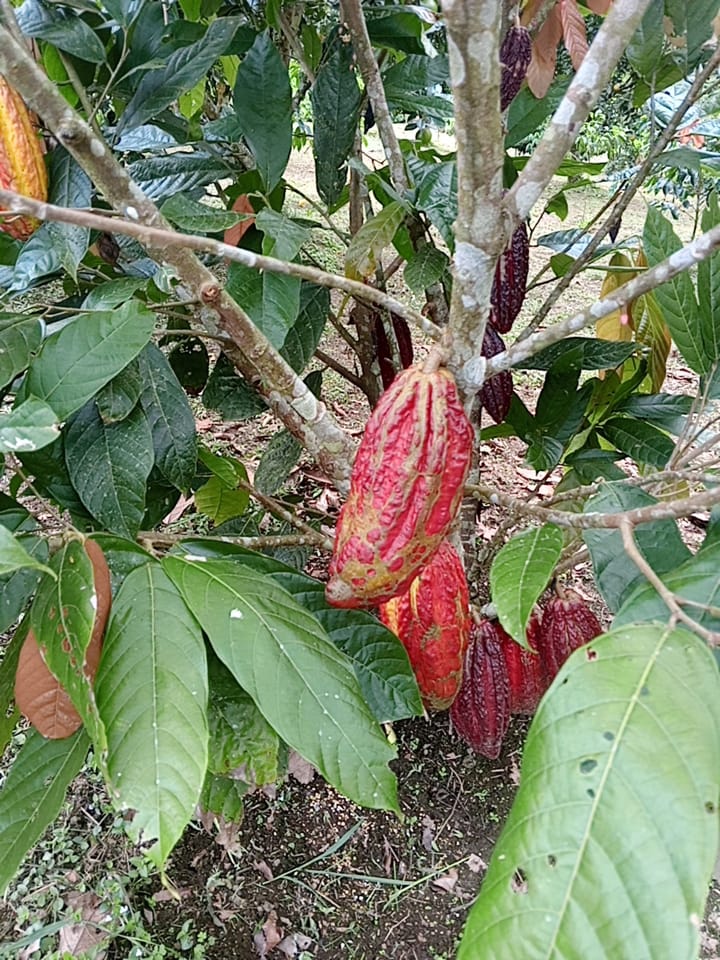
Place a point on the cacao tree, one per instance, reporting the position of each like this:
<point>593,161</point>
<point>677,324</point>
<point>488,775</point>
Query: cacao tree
<point>157,253</point>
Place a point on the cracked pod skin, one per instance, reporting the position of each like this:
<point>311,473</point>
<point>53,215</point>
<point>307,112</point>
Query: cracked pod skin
<point>567,624</point>
<point>22,168</point>
<point>481,711</point>
<point>432,621</point>
<point>405,489</point>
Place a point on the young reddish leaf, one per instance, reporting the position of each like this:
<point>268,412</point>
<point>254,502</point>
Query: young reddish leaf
<point>233,235</point>
<point>574,34</point>
<point>600,7</point>
<point>542,66</point>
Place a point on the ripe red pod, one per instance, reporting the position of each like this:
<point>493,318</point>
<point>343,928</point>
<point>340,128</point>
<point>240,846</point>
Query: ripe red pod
<point>511,273</point>
<point>567,623</point>
<point>405,488</point>
<point>524,667</point>
<point>481,711</point>
<point>433,622</point>
<point>496,394</point>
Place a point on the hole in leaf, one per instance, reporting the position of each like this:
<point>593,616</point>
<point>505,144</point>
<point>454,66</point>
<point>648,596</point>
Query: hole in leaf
<point>587,766</point>
<point>609,735</point>
<point>551,859</point>
<point>518,884</point>
<point>590,654</point>
<point>591,793</point>
<point>710,806</point>
<point>645,691</point>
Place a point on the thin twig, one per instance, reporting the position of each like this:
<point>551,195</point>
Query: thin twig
<point>277,508</point>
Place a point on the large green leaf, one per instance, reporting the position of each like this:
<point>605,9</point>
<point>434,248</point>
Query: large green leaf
<point>71,187</point>
<point>32,425</point>
<point>646,46</point>
<point>336,101</point>
<point>171,420</point>
<point>278,459</point>
<point>676,298</point>
<point>163,85</point>
<point>61,27</point>
<point>643,442</point>
<point>229,395</point>
<point>437,197</point>
<point>151,693</point>
<point>196,217</point>
<point>62,617</point>
<point>17,588</point>
<point>520,572</point>
<point>366,247</point>
<point>13,555</point>
<point>696,581</point>
<point>20,337</point>
<point>86,354</point>
<point>584,353</point>
<point>708,285</point>
<point>263,107</point>
<point>659,542</point>
<point>9,714</point>
<point>301,683</point>
<point>33,794</point>
<point>303,337</point>
<point>109,465</point>
<point>378,658</point>
<point>612,838</point>
<point>118,398</point>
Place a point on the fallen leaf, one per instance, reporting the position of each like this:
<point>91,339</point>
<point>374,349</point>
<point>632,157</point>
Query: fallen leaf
<point>264,869</point>
<point>266,939</point>
<point>294,944</point>
<point>428,834</point>
<point>476,863</point>
<point>447,881</point>
<point>79,938</point>
<point>299,768</point>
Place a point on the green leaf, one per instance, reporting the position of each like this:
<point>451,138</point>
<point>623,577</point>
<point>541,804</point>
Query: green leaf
<point>20,338</point>
<point>219,501</point>
<point>624,748</point>
<point>416,73</point>
<point>190,363</point>
<point>82,357</point>
<point>33,794</point>
<point>676,298</point>
<point>223,796</point>
<point>366,247</point>
<point>71,187</point>
<point>30,426</point>
<point>263,107</point>
<point>17,588</point>
<point>122,557</point>
<point>118,398</point>
<point>13,556</point>
<point>399,27</point>
<point>642,442</point>
<point>63,28</point>
<point>108,295</point>
<point>696,581</point>
<point>708,285</point>
<point>304,336</point>
<point>584,353</point>
<point>9,714</point>
<point>151,692</point>
<point>437,197</point>
<point>336,100</point>
<point>164,176</point>
<point>278,459</point>
<point>668,410</point>
<point>163,85</point>
<point>229,395</point>
<point>527,114</point>
<point>425,268</point>
<point>109,465</point>
<point>196,217</point>
<point>52,480</point>
<point>646,46</point>
<point>301,683</point>
<point>659,542</point>
<point>520,572</point>
<point>170,418</point>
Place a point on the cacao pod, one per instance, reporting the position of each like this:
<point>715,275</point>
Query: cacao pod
<point>496,393</point>
<point>405,489</point>
<point>481,711</point>
<point>525,670</point>
<point>22,167</point>
<point>384,351</point>
<point>567,623</point>
<point>515,57</point>
<point>511,273</point>
<point>433,622</point>
<point>39,695</point>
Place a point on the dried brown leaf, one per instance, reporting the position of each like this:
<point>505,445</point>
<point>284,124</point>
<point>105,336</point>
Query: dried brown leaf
<point>300,769</point>
<point>447,881</point>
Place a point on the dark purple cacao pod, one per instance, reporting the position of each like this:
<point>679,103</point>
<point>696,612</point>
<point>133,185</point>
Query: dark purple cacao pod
<point>481,711</point>
<point>525,670</point>
<point>508,289</point>
<point>515,57</point>
<point>496,393</point>
<point>384,351</point>
<point>567,623</point>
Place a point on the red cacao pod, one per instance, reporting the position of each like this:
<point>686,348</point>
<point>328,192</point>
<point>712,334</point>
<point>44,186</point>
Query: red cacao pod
<point>515,57</point>
<point>405,489</point>
<point>22,167</point>
<point>511,273</point>
<point>496,393</point>
<point>433,622</point>
<point>525,670</point>
<point>481,711</point>
<point>567,623</point>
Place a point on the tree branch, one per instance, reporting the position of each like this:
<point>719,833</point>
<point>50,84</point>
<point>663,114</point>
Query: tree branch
<point>285,392</point>
<point>587,85</point>
<point>481,233</point>
<point>351,11</point>
<point>700,249</point>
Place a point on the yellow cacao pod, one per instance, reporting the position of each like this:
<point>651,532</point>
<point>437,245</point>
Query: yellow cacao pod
<point>22,167</point>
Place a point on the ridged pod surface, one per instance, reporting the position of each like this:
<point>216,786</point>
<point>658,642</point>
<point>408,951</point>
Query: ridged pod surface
<point>496,393</point>
<point>567,623</point>
<point>22,168</point>
<point>515,57</point>
<point>481,711</point>
<point>405,489</point>
<point>508,290</point>
<point>433,622</point>
<point>524,668</point>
